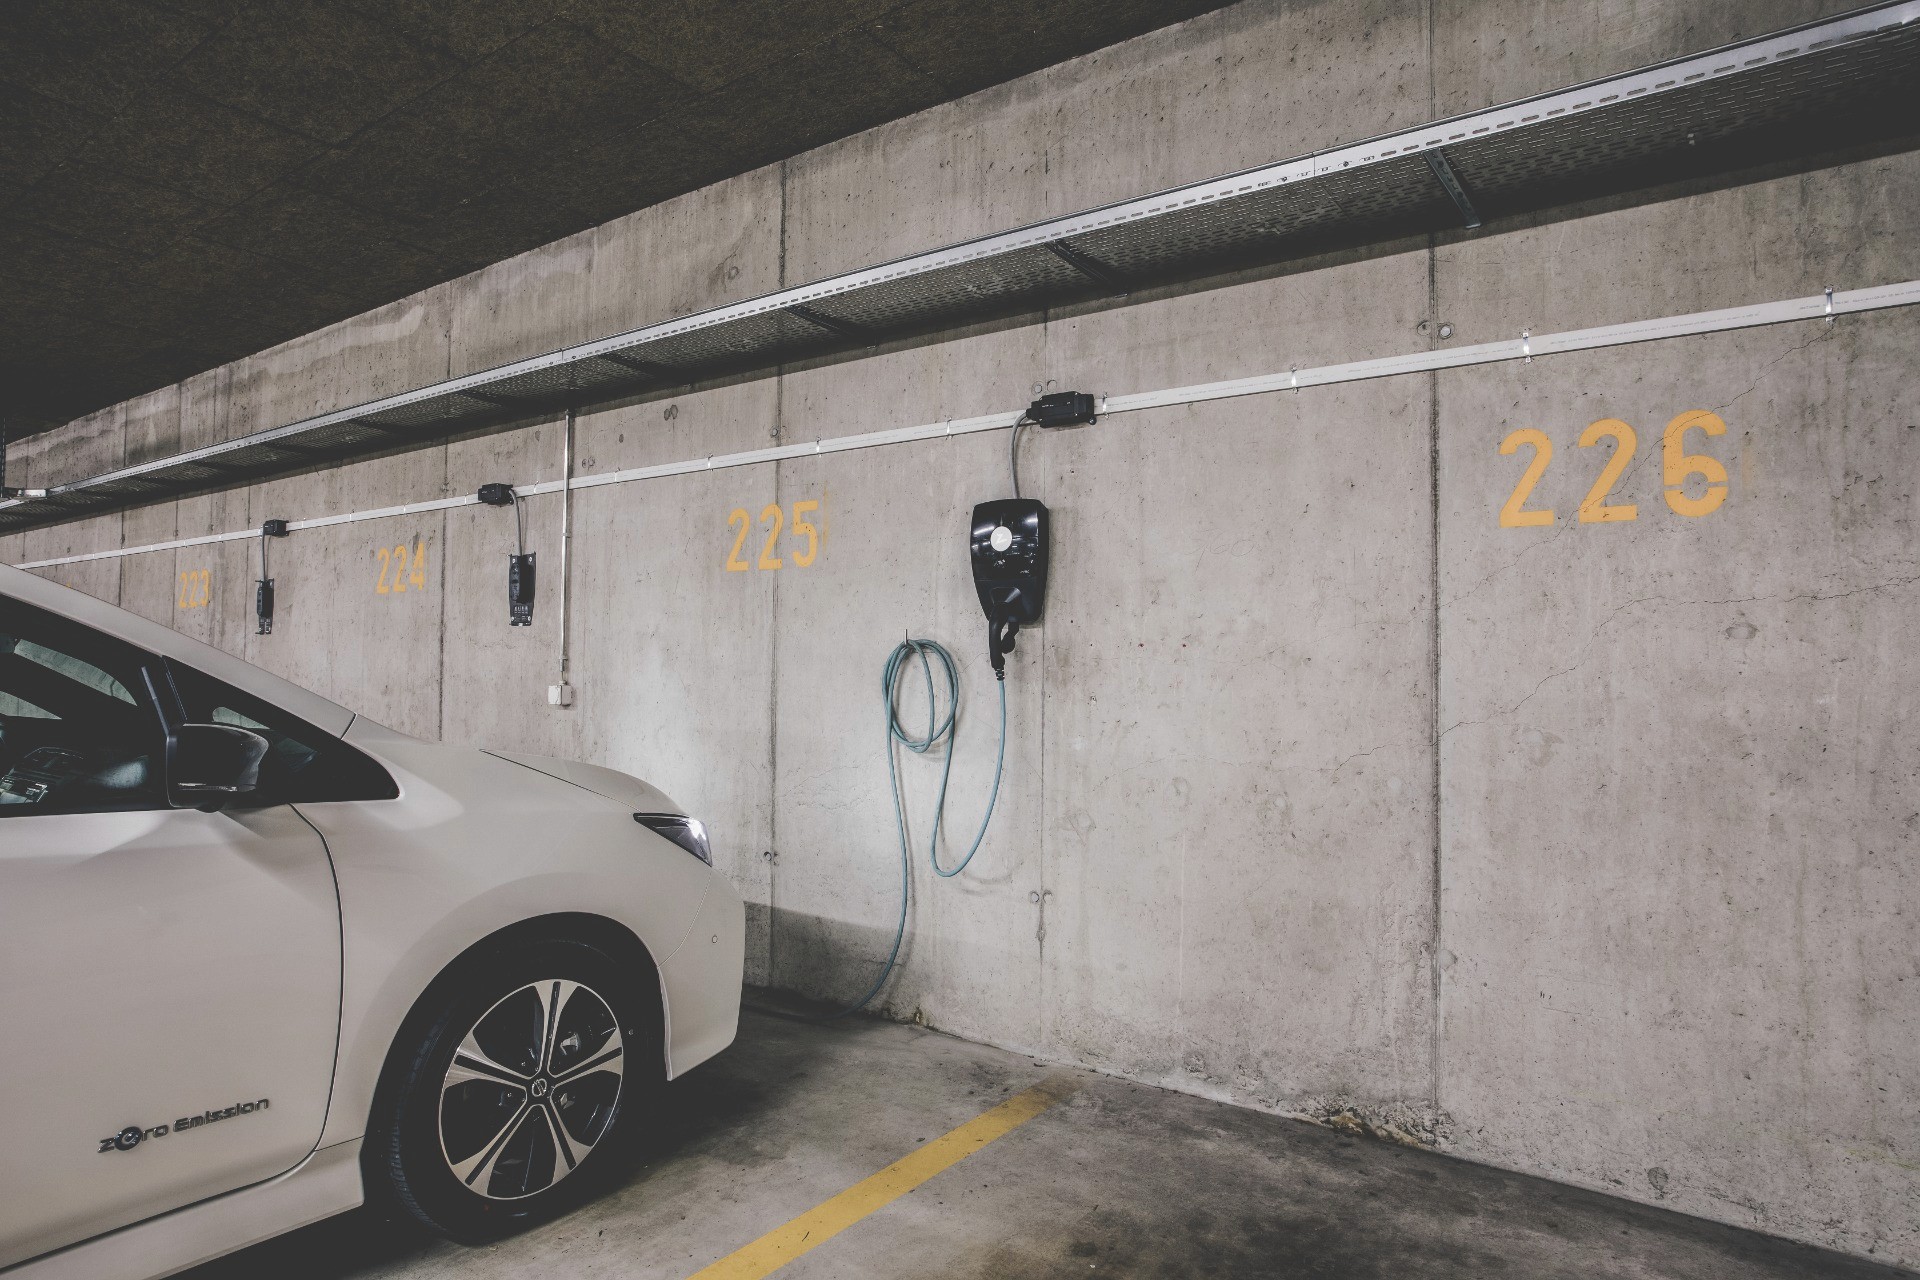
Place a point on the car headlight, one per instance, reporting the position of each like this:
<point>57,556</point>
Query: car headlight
<point>689,833</point>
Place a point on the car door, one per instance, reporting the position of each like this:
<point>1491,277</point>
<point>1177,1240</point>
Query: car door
<point>169,978</point>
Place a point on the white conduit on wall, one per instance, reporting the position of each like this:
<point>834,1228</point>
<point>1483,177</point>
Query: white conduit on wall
<point>1525,347</point>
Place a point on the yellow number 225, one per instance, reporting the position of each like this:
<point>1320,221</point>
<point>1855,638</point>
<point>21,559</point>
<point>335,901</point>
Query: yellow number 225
<point>774,519</point>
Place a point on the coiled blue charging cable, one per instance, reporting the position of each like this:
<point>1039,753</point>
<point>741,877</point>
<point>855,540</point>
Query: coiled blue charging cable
<point>938,728</point>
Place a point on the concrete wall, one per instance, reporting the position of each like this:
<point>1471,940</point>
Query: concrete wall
<point>1586,849</point>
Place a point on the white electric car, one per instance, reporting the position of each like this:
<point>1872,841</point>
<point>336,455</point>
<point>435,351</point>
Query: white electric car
<point>262,959</point>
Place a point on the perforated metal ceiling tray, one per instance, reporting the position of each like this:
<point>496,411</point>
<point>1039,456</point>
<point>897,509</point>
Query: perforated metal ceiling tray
<point>1813,91</point>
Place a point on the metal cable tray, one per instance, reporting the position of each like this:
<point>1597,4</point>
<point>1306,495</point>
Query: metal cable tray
<point>1792,95</point>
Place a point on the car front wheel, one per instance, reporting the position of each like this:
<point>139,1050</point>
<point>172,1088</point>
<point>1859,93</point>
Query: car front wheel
<point>522,1094</point>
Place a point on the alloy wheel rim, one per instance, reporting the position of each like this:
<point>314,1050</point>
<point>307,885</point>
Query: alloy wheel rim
<point>532,1089</point>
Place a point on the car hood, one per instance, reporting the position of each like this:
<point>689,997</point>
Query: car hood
<point>621,788</point>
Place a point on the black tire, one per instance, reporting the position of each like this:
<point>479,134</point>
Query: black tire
<point>424,1125</point>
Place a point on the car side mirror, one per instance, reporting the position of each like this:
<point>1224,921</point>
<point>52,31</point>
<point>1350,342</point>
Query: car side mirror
<point>210,764</point>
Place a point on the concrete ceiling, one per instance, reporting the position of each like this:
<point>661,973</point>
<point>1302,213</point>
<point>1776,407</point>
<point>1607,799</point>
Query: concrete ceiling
<point>183,182</point>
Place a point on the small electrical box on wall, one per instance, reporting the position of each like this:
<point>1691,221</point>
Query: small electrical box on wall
<point>1062,409</point>
<point>1009,550</point>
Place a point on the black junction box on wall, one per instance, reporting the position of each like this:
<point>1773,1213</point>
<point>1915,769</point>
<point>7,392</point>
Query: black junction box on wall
<point>1062,409</point>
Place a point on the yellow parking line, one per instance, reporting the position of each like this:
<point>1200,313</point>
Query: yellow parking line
<point>828,1219</point>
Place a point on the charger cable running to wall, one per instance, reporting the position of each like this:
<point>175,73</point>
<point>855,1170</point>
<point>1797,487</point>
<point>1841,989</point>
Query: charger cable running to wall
<point>1013,451</point>
<point>939,729</point>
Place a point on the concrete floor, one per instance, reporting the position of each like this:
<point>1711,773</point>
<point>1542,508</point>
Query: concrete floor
<point>1120,1180</point>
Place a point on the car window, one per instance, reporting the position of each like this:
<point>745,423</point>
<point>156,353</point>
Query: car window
<point>303,763</point>
<point>73,668</point>
<point>75,736</point>
<point>12,706</point>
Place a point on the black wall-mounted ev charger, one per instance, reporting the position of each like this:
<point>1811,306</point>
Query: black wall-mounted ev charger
<point>1009,543</point>
<point>263,589</point>
<point>1009,550</point>
<point>520,580</point>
